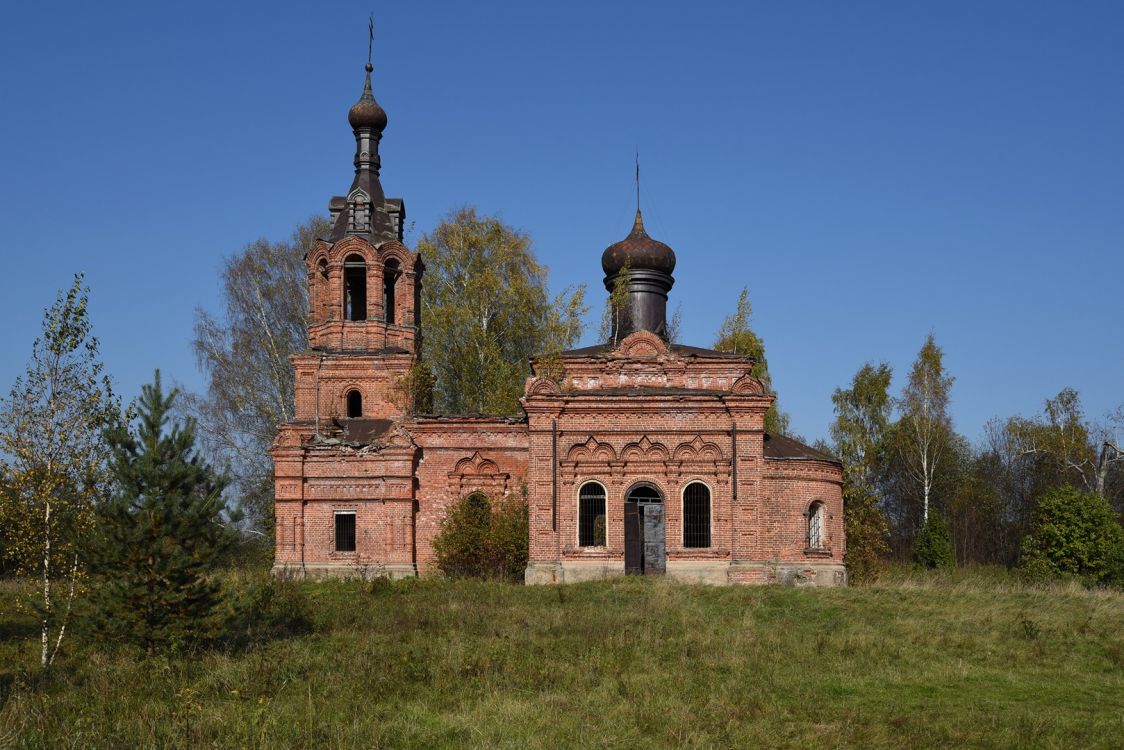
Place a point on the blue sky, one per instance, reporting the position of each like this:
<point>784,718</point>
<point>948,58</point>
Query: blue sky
<point>872,172</point>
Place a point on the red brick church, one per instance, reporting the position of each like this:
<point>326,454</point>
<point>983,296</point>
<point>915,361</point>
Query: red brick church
<point>646,457</point>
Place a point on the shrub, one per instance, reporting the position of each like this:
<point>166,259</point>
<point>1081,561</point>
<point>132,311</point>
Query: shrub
<point>1074,534</point>
<point>266,608</point>
<point>867,529</point>
<point>933,546</point>
<point>484,539</point>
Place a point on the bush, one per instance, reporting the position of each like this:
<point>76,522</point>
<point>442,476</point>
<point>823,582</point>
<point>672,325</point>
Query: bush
<point>484,539</point>
<point>933,546</point>
<point>866,531</point>
<point>1074,534</point>
<point>266,608</point>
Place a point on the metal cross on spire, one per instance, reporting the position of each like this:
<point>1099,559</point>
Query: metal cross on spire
<point>637,179</point>
<point>370,36</point>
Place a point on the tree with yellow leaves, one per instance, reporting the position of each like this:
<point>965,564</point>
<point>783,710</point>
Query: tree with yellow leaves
<point>53,460</point>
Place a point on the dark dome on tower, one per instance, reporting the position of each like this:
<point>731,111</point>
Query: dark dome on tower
<point>366,113</point>
<point>640,251</point>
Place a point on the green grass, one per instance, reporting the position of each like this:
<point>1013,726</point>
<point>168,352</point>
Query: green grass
<point>968,659</point>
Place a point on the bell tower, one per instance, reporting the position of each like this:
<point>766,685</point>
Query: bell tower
<point>364,289</point>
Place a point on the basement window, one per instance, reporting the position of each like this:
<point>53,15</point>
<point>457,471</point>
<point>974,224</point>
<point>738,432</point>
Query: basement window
<point>345,531</point>
<point>355,288</point>
<point>816,526</point>
<point>696,515</point>
<point>354,404</point>
<point>591,515</point>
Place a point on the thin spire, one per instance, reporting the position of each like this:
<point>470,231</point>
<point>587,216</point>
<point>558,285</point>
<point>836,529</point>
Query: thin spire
<point>637,179</point>
<point>370,38</point>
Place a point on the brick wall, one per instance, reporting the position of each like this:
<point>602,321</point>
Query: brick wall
<point>641,413</point>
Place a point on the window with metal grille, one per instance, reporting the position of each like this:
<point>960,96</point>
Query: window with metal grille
<point>345,532</point>
<point>815,526</point>
<point>591,515</point>
<point>355,288</point>
<point>696,515</point>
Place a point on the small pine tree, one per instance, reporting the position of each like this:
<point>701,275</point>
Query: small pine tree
<point>158,537</point>
<point>933,546</point>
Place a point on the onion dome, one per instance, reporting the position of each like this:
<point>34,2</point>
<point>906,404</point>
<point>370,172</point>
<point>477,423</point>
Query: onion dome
<point>366,113</point>
<point>640,251</point>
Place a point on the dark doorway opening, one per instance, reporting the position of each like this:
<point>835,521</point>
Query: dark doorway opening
<point>644,539</point>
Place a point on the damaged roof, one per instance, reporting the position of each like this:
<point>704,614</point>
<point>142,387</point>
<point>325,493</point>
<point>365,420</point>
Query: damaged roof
<point>779,446</point>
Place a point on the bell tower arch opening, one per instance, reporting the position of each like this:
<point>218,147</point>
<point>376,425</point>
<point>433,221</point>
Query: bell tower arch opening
<point>391,271</point>
<point>355,288</point>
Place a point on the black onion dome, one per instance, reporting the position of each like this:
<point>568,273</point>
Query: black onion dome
<point>366,113</point>
<point>640,251</point>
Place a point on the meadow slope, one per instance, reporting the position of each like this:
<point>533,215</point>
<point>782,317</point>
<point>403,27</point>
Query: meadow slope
<point>931,662</point>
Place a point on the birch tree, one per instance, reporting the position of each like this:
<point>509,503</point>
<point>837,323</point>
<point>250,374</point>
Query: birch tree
<point>1063,446</point>
<point>243,352</point>
<point>486,312</point>
<point>54,454</point>
<point>925,428</point>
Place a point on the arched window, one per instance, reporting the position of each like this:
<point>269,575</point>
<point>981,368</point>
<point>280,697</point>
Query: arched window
<point>355,288</point>
<point>696,515</point>
<point>816,537</point>
<point>644,493</point>
<point>390,275</point>
<point>591,515</point>
<point>354,404</point>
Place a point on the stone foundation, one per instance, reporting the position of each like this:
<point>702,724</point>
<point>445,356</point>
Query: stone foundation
<point>320,571</point>
<point>713,572</point>
<point>716,573</point>
<point>789,573</point>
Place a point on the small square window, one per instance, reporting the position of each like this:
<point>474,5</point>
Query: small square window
<point>345,532</point>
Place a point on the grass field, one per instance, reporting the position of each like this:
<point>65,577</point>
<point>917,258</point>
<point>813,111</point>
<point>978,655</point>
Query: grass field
<point>970,660</point>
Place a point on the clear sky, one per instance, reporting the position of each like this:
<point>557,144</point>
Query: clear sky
<point>872,172</point>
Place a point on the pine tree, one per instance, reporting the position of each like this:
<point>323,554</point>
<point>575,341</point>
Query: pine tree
<point>158,537</point>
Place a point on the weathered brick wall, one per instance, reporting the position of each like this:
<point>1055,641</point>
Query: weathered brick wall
<point>332,375</point>
<point>790,488</point>
<point>458,456</point>
<point>313,483</point>
<point>329,330</point>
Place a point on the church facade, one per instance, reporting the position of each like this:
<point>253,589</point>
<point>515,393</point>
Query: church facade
<point>636,457</point>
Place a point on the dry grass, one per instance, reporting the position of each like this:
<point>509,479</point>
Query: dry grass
<point>968,659</point>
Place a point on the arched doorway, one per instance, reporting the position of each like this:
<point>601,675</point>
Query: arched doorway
<point>644,548</point>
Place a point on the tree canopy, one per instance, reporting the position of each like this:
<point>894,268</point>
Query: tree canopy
<point>486,311</point>
<point>735,336</point>
<point>862,418</point>
<point>244,355</point>
<point>52,458</point>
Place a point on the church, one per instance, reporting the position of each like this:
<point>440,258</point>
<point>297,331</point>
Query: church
<point>640,457</point>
